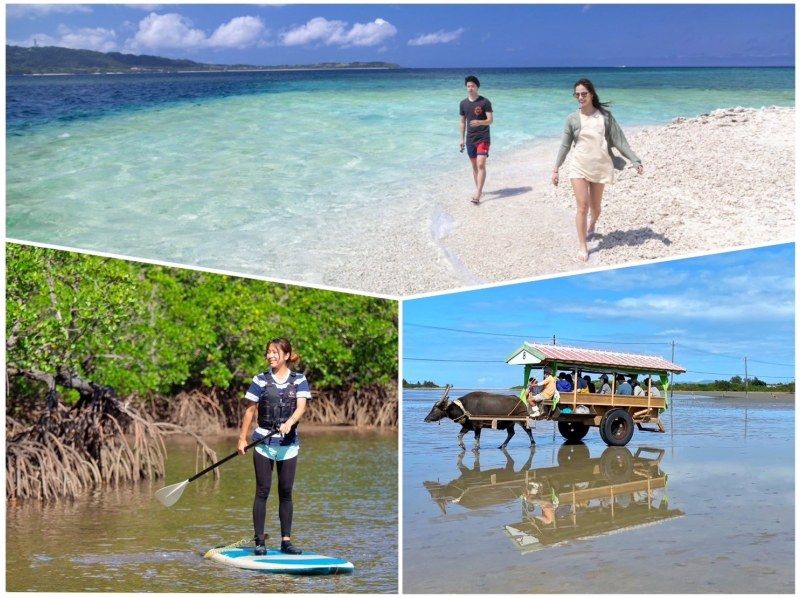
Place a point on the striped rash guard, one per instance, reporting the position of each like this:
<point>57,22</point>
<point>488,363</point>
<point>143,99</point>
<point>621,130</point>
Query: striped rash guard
<point>278,447</point>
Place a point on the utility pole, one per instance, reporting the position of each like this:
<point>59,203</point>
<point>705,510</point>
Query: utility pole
<point>745,377</point>
<point>672,409</point>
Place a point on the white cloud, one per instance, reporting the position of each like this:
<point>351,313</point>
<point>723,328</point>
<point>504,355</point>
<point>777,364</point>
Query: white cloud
<point>169,30</point>
<point>321,30</point>
<point>370,34</point>
<point>239,32</point>
<point>318,29</point>
<point>173,30</point>
<point>86,38</point>
<point>40,10</point>
<point>720,308</point>
<point>438,37</point>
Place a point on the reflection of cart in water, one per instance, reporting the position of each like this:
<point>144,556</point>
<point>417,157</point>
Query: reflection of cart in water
<point>585,497</point>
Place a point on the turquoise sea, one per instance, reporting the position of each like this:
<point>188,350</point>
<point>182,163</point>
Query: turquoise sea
<point>259,172</point>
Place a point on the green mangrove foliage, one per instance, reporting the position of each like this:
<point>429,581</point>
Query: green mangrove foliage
<point>148,330</point>
<point>151,350</point>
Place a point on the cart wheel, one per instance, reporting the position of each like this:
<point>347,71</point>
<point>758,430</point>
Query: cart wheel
<point>572,431</point>
<point>616,463</point>
<point>572,452</point>
<point>600,430</point>
<point>616,428</point>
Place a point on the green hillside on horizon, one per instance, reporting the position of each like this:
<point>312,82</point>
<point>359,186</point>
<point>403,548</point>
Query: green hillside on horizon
<point>42,60</point>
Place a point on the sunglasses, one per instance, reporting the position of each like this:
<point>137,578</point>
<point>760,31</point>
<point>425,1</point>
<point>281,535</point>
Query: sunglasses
<point>581,94</point>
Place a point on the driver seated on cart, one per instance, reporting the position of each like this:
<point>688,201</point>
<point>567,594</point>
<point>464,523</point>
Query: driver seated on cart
<point>548,389</point>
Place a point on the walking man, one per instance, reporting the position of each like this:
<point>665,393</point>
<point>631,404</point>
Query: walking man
<point>476,116</point>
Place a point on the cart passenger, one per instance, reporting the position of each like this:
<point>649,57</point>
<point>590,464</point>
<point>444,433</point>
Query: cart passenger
<point>623,386</point>
<point>548,389</point>
<point>654,388</point>
<point>564,384</point>
<point>590,387</point>
<point>605,387</point>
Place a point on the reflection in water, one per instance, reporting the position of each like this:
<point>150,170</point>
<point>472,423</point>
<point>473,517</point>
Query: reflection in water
<point>476,489</point>
<point>581,497</point>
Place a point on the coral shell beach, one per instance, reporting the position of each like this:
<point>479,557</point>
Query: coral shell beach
<point>721,180</point>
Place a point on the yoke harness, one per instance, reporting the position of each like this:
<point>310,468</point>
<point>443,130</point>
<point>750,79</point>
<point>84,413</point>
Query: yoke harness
<point>276,406</point>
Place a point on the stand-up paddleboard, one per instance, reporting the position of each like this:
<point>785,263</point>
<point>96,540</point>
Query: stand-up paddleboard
<point>275,561</point>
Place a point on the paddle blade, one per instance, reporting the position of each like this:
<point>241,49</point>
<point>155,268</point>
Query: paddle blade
<point>169,495</point>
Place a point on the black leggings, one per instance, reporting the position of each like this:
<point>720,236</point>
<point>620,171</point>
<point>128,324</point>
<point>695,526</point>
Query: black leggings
<point>286,471</point>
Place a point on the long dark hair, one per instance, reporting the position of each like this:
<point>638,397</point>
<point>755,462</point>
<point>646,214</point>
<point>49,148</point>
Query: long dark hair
<point>601,106</point>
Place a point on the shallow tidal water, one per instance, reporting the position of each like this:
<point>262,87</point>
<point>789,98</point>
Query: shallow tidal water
<point>219,169</point>
<point>123,540</point>
<point>706,507</point>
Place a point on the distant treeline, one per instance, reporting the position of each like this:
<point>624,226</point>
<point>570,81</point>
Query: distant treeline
<point>53,59</point>
<point>418,384</point>
<point>737,384</point>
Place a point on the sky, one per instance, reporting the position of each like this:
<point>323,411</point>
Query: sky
<point>718,309</point>
<point>569,35</point>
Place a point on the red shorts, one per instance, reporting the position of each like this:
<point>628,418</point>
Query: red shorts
<point>478,149</point>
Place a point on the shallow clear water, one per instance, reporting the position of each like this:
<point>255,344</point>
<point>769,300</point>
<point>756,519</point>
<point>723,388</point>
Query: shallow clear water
<point>345,501</point>
<point>719,516</point>
<point>262,172</point>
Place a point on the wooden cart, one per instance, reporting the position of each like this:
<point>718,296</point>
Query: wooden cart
<point>592,497</point>
<point>614,414</point>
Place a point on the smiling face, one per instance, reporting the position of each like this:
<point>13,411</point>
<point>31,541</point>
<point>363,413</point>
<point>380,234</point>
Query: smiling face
<point>583,95</point>
<point>276,357</point>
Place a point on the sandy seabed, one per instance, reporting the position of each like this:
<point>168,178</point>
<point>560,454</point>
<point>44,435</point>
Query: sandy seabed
<point>718,181</point>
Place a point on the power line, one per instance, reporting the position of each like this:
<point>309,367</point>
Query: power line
<point>452,360</point>
<point>786,365</point>
<point>466,331</point>
<point>611,342</point>
<point>531,336</point>
<point>729,356</point>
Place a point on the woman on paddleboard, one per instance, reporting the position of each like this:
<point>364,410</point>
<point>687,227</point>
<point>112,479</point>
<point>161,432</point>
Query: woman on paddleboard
<point>592,131</point>
<point>277,400</point>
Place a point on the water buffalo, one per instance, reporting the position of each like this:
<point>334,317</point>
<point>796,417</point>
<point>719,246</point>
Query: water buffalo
<point>477,488</point>
<point>483,404</point>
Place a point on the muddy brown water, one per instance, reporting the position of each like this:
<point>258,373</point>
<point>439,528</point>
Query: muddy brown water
<point>123,540</point>
<point>706,507</point>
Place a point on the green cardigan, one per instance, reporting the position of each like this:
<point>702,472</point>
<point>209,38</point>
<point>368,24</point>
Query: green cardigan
<point>614,138</point>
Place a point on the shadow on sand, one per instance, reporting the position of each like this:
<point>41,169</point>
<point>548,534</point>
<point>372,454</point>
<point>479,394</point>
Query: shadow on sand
<point>504,193</point>
<point>630,238</point>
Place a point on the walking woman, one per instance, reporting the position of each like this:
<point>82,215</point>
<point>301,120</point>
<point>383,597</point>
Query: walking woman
<point>592,131</point>
<point>277,402</point>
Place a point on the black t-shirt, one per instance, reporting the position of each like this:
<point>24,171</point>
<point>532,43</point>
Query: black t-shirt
<point>476,111</point>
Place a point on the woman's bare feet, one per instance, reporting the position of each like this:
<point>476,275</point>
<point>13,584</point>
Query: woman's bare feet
<point>583,255</point>
<point>590,231</point>
<point>476,199</point>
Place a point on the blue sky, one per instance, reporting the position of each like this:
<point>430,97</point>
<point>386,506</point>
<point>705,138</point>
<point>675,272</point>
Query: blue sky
<point>718,309</point>
<point>422,35</point>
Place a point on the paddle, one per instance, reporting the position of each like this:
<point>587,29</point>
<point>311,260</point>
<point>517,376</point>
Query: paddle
<point>169,495</point>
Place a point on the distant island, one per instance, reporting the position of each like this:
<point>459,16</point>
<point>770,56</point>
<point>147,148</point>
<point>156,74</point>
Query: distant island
<point>52,60</point>
<point>735,384</point>
<point>425,384</point>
